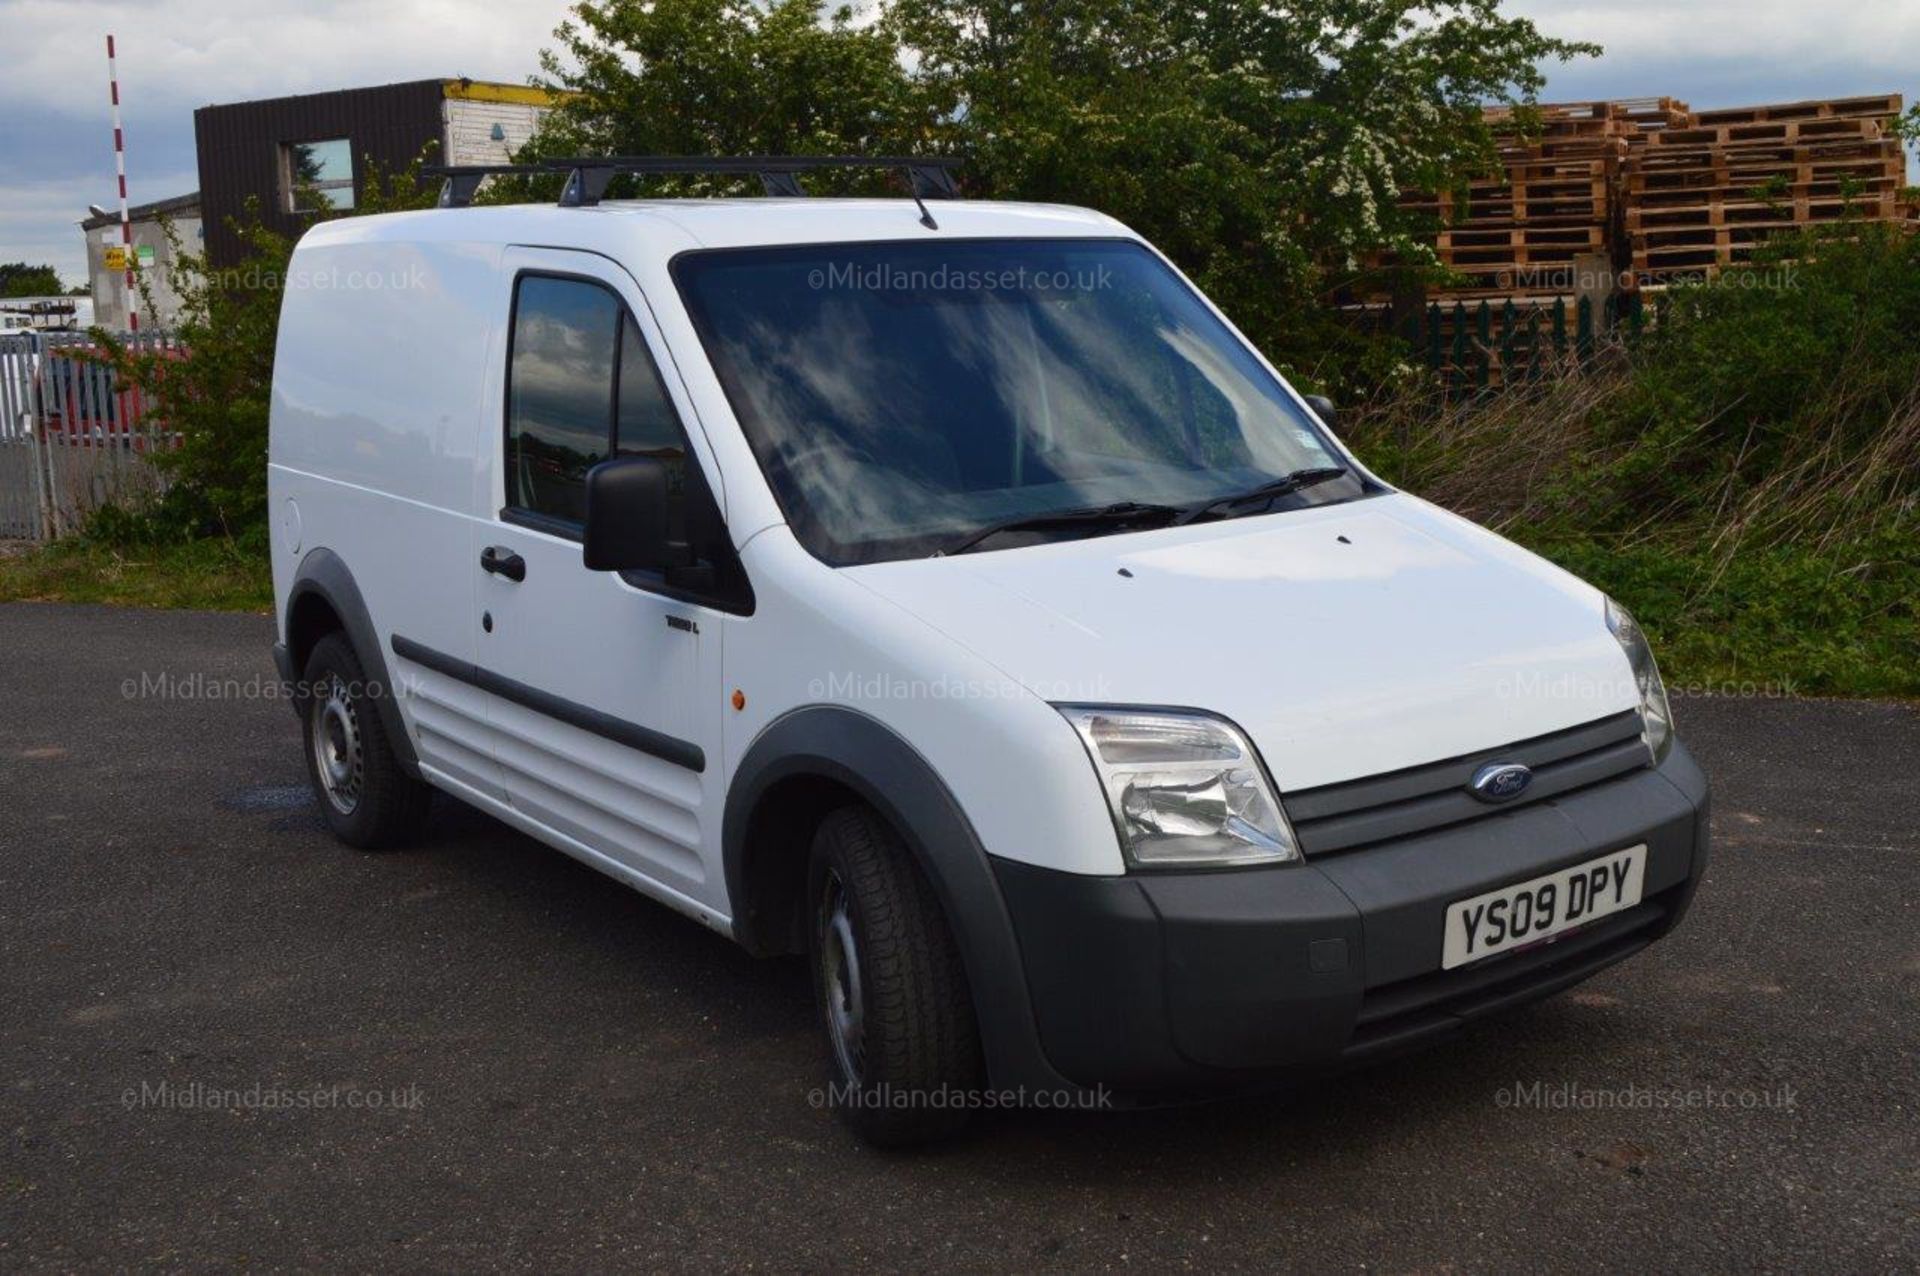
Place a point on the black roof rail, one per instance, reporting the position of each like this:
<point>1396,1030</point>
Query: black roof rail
<point>929,176</point>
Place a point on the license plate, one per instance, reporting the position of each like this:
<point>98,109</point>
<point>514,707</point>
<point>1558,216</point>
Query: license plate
<point>1528,912</point>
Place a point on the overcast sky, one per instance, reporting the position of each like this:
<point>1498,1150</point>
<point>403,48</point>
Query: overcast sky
<point>56,152</point>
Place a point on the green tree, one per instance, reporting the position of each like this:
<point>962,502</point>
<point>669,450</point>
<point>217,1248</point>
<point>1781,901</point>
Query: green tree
<point>1263,147</point>
<point>726,77</point>
<point>18,279</point>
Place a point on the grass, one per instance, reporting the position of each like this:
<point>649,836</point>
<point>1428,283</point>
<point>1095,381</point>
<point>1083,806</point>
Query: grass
<point>1802,580</point>
<point>210,575</point>
<point>1773,621</point>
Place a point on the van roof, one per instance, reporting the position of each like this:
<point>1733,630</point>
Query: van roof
<point>732,223</point>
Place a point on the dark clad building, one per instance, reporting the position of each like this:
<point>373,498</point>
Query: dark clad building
<point>318,146</point>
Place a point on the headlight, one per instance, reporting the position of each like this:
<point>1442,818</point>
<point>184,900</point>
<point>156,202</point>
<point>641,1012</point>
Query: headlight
<point>1186,790</point>
<point>1656,715</point>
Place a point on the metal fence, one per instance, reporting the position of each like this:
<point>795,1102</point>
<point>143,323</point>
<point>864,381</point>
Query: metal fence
<point>71,438</point>
<point>1477,346</point>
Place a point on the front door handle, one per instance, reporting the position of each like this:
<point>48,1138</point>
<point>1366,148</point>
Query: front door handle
<point>503,562</point>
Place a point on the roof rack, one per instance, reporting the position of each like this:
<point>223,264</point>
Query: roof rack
<point>930,177</point>
<point>462,180</point>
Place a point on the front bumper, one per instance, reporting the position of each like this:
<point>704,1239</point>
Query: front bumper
<point>1219,980</point>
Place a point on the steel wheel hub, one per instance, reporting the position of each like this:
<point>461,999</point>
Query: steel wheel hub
<point>840,958</point>
<point>338,754</point>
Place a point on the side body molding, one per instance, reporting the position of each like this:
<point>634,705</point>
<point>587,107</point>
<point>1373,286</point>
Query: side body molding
<point>838,744</point>
<point>322,573</point>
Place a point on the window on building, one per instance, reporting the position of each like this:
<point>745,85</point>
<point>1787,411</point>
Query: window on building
<point>317,175</point>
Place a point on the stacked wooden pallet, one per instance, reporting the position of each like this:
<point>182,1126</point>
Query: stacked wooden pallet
<point>1707,194</point>
<point>1651,186</point>
<point>1521,232</point>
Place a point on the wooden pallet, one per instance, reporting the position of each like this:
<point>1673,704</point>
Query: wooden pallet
<point>1596,120</point>
<point>1584,238</point>
<point>1674,238</point>
<point>1654,171</point>
<point>1654,167</point>
<point>1759,190</point>
<point>1882,107</point>
<point>1825,206</point>
<point>1528,173</point>
<point>1645,115</point>
<point>1596,193</point>
<point>1692,256</point>
<point>1533,167</point>
<point>1768,132</point>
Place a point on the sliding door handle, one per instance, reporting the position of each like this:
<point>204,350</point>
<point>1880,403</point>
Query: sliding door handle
<point>503,562</point>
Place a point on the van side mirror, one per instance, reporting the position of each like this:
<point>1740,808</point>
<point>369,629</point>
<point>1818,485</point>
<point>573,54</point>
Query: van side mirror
<point>1323,408</point>
<point>630,518</point>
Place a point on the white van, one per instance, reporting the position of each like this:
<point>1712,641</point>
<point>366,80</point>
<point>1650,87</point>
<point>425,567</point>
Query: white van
<point>951,594</point>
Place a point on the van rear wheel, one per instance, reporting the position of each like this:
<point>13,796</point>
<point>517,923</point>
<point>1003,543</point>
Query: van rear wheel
<point>367,800</point>
<point>892,991</point>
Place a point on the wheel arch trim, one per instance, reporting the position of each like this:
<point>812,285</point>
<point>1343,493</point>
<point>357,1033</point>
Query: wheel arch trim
<point>849,748</point>
<point>322,573</point>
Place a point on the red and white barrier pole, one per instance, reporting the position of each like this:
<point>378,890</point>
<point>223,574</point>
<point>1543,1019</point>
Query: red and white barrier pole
<point>120,170</point>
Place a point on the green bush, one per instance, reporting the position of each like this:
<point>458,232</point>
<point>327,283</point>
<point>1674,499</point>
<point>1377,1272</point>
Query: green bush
<point>1786,394</point>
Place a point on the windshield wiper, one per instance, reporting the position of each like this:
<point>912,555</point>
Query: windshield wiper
<point>1269,491</point>
<point>1119,513</point>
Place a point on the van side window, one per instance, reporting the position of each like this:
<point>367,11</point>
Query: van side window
<point>560,388</point>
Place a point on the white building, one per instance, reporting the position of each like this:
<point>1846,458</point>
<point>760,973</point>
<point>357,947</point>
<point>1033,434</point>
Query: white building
<point>153,255</point>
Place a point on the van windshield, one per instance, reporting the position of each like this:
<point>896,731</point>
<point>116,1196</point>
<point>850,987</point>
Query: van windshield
<point>904,397</point>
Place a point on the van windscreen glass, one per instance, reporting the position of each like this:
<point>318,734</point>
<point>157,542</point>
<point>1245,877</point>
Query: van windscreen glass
<point>904,396</point>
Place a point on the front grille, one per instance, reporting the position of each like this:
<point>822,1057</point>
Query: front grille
<point>1344,817</point>
<point>1406,1011</point>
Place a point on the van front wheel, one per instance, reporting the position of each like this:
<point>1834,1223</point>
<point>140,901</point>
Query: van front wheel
<point>367,800</point>
<point>892,991</point>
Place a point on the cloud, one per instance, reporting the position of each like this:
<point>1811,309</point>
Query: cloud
<point>56,145</point>
<point>1758,44</point>
<point>179,54</point>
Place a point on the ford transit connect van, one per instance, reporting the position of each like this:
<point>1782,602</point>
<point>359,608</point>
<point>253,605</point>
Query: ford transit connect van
<point>949,593</point>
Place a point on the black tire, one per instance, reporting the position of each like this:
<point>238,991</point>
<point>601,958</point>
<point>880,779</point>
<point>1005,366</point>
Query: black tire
<point>909,1064</point>
<point>366,799</point>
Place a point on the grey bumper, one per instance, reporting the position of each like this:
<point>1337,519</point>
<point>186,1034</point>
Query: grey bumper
<point>1156,982</point>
